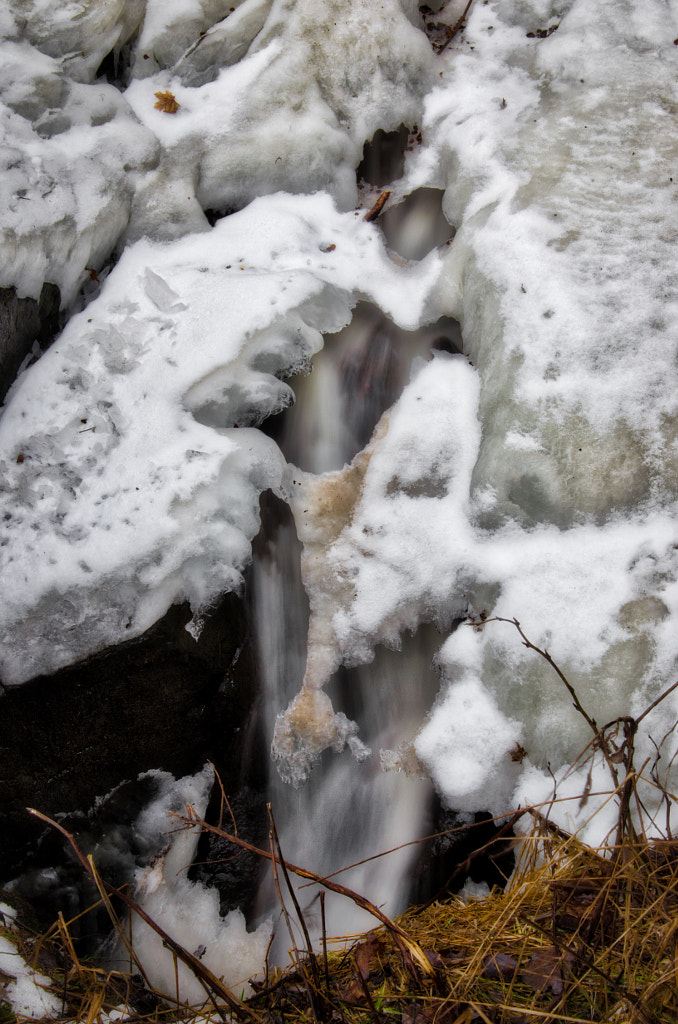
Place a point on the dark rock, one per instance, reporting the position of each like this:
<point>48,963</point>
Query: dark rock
<point>23,322</point>
<point>463,847</point>
<point>232,871</point>
<point>162,701</point>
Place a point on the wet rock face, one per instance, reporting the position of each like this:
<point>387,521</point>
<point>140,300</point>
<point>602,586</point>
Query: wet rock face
<point>462,848</point>
<point>22,322</point>
<point>160,702</point>
<point>236,874</point>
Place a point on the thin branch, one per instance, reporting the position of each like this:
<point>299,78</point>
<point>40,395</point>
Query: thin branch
<point>378,206</point>
<point>456,27</point>
<point>275,846</point>
<point>653,705</point>
<point>547,657</point>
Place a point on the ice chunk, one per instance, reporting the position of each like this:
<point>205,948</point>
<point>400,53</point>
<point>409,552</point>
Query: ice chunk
<point>67,168</point>
<point>82,34</point>
<point>188,911</point>
<point>224,44</point>
<point>171,29</point>
<point>282,96</point>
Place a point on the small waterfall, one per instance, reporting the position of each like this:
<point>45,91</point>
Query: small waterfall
<point>356,377</point>
<point>350,810</point>
<point>347,811</point>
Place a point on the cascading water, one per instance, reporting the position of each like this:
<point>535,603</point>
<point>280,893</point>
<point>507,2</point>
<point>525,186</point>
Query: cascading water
<point>350,808</point>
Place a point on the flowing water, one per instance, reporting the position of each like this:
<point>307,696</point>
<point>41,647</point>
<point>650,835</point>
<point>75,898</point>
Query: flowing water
<point>348,810</point>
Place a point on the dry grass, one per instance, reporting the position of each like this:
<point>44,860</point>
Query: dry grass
<point>578,935</point>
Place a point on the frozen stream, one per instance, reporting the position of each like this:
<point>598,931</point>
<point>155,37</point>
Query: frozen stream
<point>182,179</point>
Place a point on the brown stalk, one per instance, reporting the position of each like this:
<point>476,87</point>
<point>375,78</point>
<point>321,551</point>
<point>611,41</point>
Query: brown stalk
<point>276,859</point>
<point>547,657</point>
<point>324,931</point>
<point>367,994</point>
<point>378,206</point>
<point>224,801</point>
<point>466,863</point>
<point>613,755</point>
<point>634,1001</point>
<point>456,27</point>
<point>293,897</point>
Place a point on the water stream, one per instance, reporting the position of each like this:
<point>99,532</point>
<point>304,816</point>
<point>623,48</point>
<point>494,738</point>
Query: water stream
<point>348,810</point>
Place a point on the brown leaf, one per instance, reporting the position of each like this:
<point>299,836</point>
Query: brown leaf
<point>352,993</point>
<point>518,753</point>
<point>437,1011</point>
<point>435,959</point>
<point>413,1014</point>
<point>166,101</point>
<point>545,970</point>
<point>574,912</point>
<point>366,951</point>
<point>500,965</point>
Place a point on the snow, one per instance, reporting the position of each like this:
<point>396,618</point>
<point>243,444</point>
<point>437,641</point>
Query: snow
<point>26,990</point>
<point>534,477</point>
<point>68,157</point>
<point>131,464</point>
<point>274,96</point>
<point>80,35</point>
<point>188,911</point>
<point>558,156</point>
